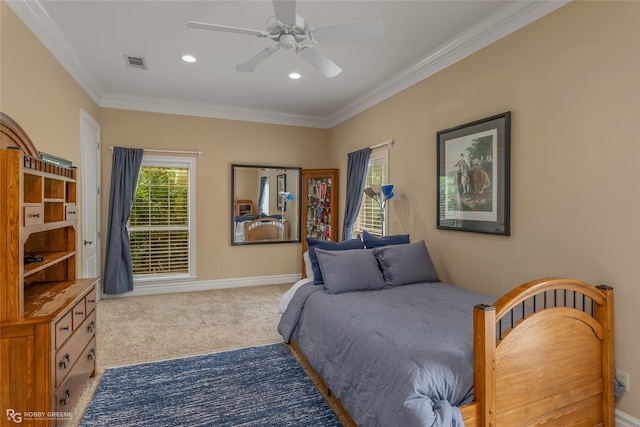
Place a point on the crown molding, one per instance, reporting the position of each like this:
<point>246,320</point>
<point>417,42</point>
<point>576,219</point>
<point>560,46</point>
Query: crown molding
<point>502,23</point>
<point>189,108</point>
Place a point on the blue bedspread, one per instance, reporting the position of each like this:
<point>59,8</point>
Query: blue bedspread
<point>394,357</point>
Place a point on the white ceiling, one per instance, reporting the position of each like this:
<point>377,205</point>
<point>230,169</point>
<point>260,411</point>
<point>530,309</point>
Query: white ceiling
<point>91,37</point>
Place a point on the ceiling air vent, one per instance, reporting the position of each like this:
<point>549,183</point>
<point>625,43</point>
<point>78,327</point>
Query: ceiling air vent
<point>136,62</point>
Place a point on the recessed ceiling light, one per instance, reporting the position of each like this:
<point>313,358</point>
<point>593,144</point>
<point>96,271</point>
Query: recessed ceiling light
<point>188,58</point>
<point>294,76</point>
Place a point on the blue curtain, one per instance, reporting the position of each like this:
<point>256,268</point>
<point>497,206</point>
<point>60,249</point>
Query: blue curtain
<point>263,182</point>
<point>118,269</point>
<point>357,164</point>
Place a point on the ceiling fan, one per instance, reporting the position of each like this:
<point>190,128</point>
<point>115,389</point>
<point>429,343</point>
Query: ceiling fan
<point>291,31</point>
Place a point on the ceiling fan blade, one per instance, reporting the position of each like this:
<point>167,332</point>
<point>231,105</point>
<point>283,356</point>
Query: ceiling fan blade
<point>285,12</point>
<point>356,32</point>
<point>226,29</point>
<point>251,64</point>
<point>318,60</point>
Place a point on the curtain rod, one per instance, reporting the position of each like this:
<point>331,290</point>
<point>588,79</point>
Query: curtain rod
<point>388,142</point>
<point>152,150</point>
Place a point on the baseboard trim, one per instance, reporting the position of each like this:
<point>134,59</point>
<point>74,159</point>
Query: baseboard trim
<point>204,285</point>
<point>626,420</point>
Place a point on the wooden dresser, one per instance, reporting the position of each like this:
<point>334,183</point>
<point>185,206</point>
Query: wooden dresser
<point>47,315</point>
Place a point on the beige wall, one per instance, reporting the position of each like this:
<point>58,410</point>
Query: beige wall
<point>572,83</point>
<point>37,92</point>
<point>223,142</point>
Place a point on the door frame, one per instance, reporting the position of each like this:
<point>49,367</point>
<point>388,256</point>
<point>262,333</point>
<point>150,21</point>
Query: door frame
<point>84,173</point>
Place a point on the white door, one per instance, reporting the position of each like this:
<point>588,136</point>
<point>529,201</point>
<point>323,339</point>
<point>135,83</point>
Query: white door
<point>90,184</point>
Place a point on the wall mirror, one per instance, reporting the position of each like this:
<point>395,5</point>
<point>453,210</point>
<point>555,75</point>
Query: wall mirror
<point>265,204</point>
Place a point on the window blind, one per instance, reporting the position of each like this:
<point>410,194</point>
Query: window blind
<point>369,214</point>
<point>159,221</point>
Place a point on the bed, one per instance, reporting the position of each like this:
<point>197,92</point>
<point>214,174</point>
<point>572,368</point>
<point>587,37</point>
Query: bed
<point>410,350</point>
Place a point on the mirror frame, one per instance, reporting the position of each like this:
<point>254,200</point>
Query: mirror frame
<point>296,226</point>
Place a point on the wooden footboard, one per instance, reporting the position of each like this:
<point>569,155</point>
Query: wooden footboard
<point>543,355</point>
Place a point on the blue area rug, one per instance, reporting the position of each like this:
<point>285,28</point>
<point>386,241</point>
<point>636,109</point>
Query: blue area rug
<point>256,386</point>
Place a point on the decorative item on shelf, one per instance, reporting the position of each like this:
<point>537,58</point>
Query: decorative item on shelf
<point>30,259</point>
<point>58,161</point>
<point>380,194</point>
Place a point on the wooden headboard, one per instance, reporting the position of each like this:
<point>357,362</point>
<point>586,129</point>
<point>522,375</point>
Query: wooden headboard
<point>263,229</point>
<point>12,135</point>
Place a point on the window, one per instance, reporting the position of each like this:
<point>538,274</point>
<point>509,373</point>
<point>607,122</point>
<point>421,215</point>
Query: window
<point>369,214</point>
<point>162,225</point>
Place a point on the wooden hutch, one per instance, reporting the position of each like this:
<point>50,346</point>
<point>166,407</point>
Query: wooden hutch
<point>47,315</point>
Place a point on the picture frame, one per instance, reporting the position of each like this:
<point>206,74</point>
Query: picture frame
<point>473,176</point>
<point>281,183</point>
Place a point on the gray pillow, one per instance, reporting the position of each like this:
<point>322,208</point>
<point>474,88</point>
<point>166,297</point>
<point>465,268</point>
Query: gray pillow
<point>406,264</point>
<point>350,270</point>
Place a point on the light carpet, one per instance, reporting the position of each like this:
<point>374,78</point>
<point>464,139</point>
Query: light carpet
<point>256,386</point>
<point>156,327</point>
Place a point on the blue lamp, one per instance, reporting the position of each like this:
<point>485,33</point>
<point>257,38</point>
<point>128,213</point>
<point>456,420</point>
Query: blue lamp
<point>387,192</point>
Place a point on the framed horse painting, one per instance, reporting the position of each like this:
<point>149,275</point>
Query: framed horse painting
<point>473,176</point>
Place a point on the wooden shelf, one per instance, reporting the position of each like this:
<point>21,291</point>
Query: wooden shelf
<point>49,226</point>
<point>51,258</point>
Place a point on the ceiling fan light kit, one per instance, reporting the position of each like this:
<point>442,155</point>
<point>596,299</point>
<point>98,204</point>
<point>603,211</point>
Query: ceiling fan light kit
<point>291,31</point>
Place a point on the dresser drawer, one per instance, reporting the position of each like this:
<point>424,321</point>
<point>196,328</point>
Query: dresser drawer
<point>79,312</point>
<point>90,301</point>
<point>69,391</point>
<point>64,329</point>
<point>70,212</point>
<point>70,353</point>
<point>33,215</point>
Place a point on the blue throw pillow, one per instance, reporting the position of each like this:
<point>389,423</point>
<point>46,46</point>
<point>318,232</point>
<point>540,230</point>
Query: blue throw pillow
<point>328,245</point>
<point>371,241</point>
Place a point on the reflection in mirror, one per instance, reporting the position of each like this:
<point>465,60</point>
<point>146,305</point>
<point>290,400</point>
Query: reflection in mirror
<point>265,203</point>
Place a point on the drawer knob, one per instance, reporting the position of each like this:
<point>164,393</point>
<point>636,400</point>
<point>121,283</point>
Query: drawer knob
<point>88,242</point>
<point>65,399</point>
<point>80,313</point>
<point>92,301</point>
<point>90,326</point>
<point>71,212</point>
<point>64,328</point>
<point>91,354</point>
<point>63,363</point>
<point>35,215</point>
